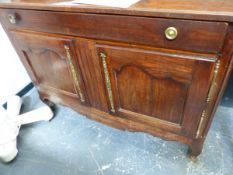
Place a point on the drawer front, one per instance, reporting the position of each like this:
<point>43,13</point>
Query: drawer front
<point>195,36</point>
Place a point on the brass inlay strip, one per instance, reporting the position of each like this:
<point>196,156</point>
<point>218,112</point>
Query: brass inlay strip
<point>75,75</point>
<point>107,80</point>
<point>200,126</point>
<point>204,115</point>
<point>213,83</point>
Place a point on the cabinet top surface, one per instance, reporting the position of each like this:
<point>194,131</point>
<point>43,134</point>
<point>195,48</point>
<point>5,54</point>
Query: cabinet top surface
<point>216,10</point>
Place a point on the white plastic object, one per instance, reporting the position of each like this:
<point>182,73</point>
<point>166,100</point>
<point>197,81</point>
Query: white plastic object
<point>8,135</point>
<point>8,151</point>
<point>3,115</point>
<point>43,113</point>
<point>10,123</point>
<point>14,104</point>
<point>8,145</point>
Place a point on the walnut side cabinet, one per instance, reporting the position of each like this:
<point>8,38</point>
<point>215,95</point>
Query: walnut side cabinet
<point>157,66</point>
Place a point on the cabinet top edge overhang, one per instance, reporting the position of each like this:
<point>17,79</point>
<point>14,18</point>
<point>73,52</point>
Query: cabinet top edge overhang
<point>211,10</point>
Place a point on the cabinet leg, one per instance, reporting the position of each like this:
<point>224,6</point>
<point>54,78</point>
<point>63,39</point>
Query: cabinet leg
<point>195,148</point>
<point>47,102</point>
<point>50,104</point>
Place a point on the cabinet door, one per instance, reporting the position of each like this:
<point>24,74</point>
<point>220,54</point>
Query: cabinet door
<point>51,62</point>
<point>166,90</point>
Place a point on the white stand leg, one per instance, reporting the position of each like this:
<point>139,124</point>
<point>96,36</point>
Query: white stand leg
<point>43,113</point>
<point>10,122</point>
<point>13,106</point>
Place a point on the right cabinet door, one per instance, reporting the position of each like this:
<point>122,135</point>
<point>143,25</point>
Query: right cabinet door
<point>164,89</point>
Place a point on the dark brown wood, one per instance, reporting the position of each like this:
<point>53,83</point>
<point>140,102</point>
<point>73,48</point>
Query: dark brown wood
<point>148,31</point>
<point>117,67</point>
<point>46,60</point>
<point>214,10</point>
<point>153,87</point>
<point>109,119</point>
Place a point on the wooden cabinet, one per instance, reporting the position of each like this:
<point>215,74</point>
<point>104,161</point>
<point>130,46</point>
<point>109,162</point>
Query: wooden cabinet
<point>141,68</point>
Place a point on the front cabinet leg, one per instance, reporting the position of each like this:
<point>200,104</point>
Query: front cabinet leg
<point>47,101</point>
<point>50,104</point>
<point>195,148</point>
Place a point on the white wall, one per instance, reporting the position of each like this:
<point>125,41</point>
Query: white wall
<point>13,76</point>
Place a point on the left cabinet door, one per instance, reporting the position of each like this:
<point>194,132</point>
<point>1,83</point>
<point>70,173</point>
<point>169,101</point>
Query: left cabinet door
<point>51,62</point>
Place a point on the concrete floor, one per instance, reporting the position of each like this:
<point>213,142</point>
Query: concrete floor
<point>73,145</point>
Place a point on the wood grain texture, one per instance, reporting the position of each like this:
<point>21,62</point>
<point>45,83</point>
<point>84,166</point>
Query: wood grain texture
<point>214,10</point>
<point>147,31</point>
<point>154,89</point>
<point>47,60</point>
<point>86,51</point>
<point>110,120</point>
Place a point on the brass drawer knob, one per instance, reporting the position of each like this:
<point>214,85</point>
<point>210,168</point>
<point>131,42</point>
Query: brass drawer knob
<point>12,18</point>
<point>171,33</point>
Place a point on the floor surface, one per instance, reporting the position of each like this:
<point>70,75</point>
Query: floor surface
<point>73,145</point>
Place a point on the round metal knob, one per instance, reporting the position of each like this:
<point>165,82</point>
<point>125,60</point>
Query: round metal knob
<point>171,33</point>
<point>12,19</point>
